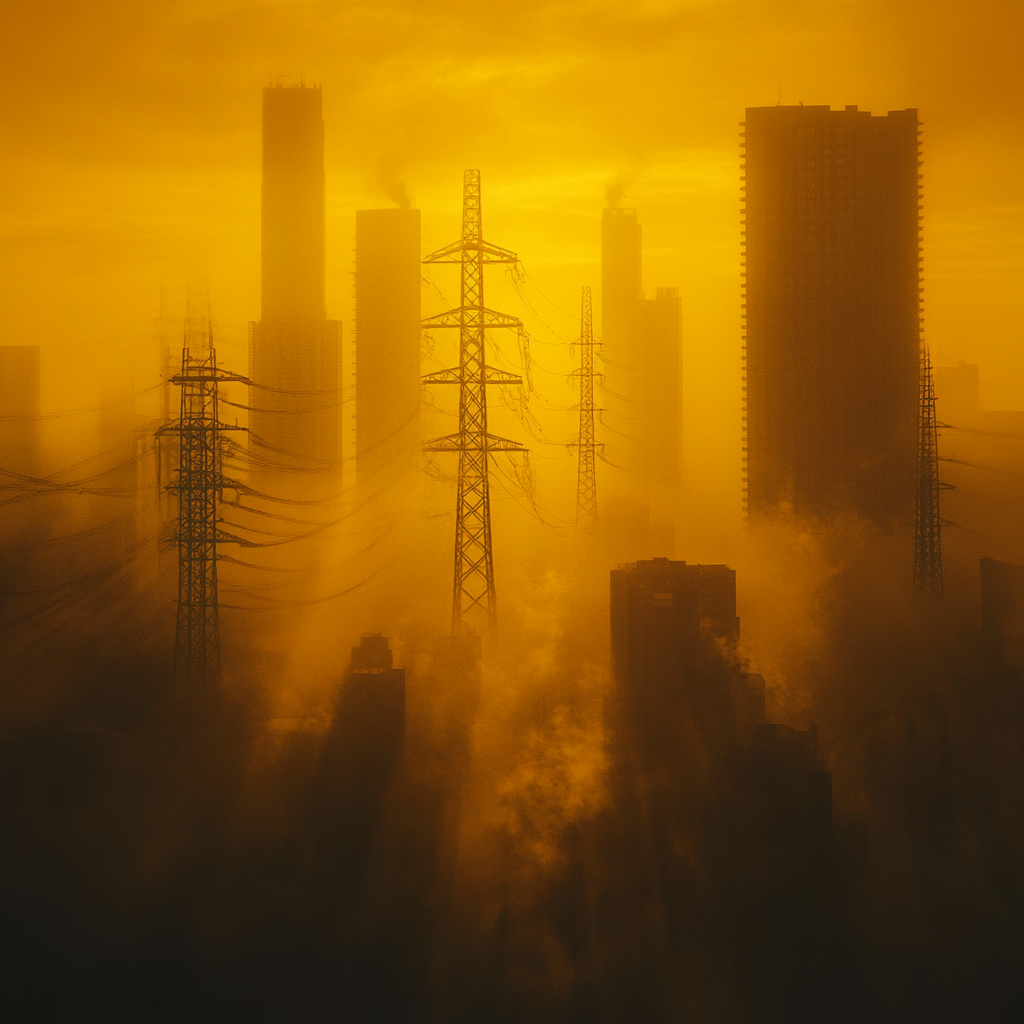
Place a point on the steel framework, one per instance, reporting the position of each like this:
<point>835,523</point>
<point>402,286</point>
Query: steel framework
<point>473,592</point>
<point>928,547</point>
<point>199,484</point>
<point>588,447</point>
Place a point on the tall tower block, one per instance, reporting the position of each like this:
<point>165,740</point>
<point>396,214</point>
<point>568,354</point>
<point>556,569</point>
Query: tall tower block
<point>832,311</point>
<point>661,368</point>
<point>387,340</point>
<point>621,305</point>
<point>294,347</point>
<point>642,394</point>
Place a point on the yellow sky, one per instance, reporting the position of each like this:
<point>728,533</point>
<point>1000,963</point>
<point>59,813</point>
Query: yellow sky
<point>132,147</point>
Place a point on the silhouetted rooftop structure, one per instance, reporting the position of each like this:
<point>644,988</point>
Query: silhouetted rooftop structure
<point>671,606</point>
<point>372,654</point>
<point>673,626</point>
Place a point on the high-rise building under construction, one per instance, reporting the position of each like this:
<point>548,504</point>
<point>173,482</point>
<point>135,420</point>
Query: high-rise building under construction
<point>387,341</point>
<point>832,311</point>
<point>293,350</point>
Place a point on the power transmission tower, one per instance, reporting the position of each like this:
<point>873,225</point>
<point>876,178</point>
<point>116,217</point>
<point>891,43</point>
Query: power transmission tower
<point>928,547</point>
<point>473,598</point>
<point>586,485</point>
<point>199,484</point>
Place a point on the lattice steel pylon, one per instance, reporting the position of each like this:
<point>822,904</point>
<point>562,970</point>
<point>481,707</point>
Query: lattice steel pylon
<point>928,546</point>
<point>473,600</point>
<point>586,445</point>
<point>199,484</point>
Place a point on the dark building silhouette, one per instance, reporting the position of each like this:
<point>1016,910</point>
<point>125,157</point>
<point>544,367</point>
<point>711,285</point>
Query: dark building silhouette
<point>665,612</point>
<point>832,300</point>
<point>673,631</point>
<point>294,347</point>
<point>387,338</point>
<point>641,352</point>
<point>356,766</point>
<point>733,815</point>
<point>372,704</point>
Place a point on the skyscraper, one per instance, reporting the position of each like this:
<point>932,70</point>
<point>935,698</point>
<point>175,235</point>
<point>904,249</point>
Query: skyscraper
<point>387,340</point>
<point>660,380</point>
<point>641,339</point>
<point>832,311</point>
<point>621,330</point>
<point>293,350</point>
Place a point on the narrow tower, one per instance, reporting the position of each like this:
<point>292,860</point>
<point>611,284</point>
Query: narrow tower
<point>928,550</point>
<point>293,349</point>
<point>387,340</point>
<point>586,483</point>
<point>473,602</point>
<point>621,329</point>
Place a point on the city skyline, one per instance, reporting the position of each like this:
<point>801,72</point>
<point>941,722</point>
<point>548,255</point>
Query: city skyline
<point>459,474</point>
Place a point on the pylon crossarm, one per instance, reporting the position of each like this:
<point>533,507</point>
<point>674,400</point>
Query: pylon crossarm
<point>206,375</point>
<point>502,444</point>
<point>478,315</point>
<point>459,443</point>
<point>493,376</point>
<point>197,424</point>
<point>456,376</point>
<point>451,443</point>
<point>495,253</point>
<point>453,376</point>
<point>223,537</point>
<point>449,254</point>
